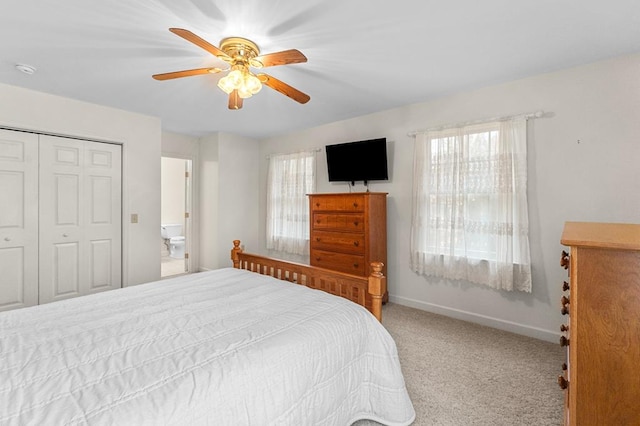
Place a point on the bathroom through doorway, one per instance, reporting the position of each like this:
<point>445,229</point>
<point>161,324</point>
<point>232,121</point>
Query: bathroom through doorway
<point>175,223</point>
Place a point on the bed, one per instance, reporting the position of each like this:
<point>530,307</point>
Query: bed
<point>229,346</point>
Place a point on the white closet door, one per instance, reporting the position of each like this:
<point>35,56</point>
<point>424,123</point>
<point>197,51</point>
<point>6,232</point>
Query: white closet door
<point>18,219</point>
<point>80,218</point>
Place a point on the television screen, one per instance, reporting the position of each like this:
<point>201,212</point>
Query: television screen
<point>357,161</point>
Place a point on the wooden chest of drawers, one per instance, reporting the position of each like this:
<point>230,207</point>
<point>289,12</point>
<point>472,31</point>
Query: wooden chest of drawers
<point>348,231</point>
<point>602,334</point>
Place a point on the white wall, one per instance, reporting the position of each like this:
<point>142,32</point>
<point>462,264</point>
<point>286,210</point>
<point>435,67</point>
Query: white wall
<point>239,194</point>
<point>228,197</point>
<point>208,195</point>
<point>140,138</point>
<point>172,194</point>
<point>583,166</point>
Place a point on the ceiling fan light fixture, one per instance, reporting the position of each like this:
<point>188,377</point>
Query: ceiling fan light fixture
<point>231,81</point>
<point>242,80</point>
<point>225,85</point>
<point>244,93</point>
<point>252,83</point>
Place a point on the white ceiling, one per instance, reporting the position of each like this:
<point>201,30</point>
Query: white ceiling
<point>363,55</point>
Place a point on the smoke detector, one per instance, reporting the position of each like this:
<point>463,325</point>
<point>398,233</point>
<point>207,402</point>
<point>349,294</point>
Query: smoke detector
<point>27,69</point>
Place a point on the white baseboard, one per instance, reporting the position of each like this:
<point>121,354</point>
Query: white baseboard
<point>525,330</point>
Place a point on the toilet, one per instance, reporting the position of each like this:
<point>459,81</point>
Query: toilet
<point>172,238</point>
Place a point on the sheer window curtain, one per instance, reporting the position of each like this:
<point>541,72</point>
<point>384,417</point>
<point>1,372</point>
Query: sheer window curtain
<point>470,218</point>
<point>290,177</point>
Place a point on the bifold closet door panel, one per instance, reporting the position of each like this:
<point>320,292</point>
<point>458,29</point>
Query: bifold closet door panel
<point>80,218</point>
<point>103,222</point>
<point>18,219</point>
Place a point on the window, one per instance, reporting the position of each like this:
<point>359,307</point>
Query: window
<point>470,219</point>
<point>290,178</point>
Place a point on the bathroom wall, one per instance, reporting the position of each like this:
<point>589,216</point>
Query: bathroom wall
<point>172,193</point>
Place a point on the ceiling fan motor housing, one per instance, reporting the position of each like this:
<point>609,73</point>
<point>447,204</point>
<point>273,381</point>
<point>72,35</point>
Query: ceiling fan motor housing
<point>241,50</point>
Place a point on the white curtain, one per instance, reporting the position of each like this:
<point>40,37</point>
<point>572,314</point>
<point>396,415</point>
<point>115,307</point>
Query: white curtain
<point>290,178</point>
<point>470,219</point>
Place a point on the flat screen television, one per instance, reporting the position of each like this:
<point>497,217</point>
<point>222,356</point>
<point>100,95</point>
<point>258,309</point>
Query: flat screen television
<point>358,161</point>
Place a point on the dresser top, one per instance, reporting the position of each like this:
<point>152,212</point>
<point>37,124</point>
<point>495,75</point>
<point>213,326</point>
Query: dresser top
<point>348,193</point>
<point>602,235</point>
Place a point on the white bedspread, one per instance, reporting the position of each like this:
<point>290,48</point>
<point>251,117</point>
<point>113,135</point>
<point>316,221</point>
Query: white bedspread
<point>225,347</point>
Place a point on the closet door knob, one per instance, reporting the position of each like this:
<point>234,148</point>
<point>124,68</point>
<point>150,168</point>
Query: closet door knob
<point>65,235</point>
<point>7,239</point>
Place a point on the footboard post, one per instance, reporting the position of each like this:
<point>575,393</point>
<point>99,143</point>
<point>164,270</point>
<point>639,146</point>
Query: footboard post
<point>377,287</point>
<point>234,253</point>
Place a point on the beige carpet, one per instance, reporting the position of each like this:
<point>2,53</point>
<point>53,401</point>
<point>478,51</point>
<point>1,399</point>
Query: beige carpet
<point>459,373</point>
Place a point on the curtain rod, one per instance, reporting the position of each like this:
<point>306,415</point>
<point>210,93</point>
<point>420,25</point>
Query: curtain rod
<point>526,116</point>
<point>296,152</point>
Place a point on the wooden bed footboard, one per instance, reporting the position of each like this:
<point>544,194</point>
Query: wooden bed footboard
<point>365,291</point>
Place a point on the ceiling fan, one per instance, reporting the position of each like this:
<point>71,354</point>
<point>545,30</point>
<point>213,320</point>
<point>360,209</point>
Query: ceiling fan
<point>241,54</point>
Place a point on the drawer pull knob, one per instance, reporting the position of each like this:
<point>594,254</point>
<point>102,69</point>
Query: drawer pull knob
<point>565,286</point>
<point>318,221</point>
<point>564,260</point>
<point>356,243</point>
<point>355,265</point>
<point>564,328</point>
<point>564,341</point>
<point>317,259</point>
<point>562,382</point>
<point>355,205</point>
<point>317,204</point>
<point>318,239</point>
<point>355,223</point>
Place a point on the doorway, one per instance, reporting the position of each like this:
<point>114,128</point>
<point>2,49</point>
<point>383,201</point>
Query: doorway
<point>175,220</point>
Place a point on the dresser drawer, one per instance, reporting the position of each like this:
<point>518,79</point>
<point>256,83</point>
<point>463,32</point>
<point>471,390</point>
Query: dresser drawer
<point>338,241</point>
<point>347,203</point>
<point>340,222</point>
<point>349,263</point>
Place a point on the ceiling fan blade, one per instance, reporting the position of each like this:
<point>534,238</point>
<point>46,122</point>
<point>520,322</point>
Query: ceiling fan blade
<point>185,73</point>
<point>189,36</point>
<point>235,101</point>
<point>292,56</point>
<point>284,88</point>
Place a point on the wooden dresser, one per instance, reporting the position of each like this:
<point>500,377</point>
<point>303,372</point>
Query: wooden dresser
<point>602,335</point>
<point>348,231</point>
